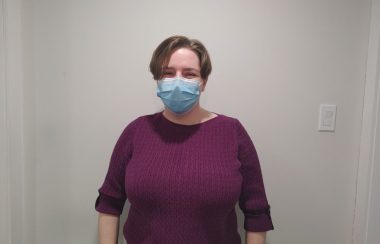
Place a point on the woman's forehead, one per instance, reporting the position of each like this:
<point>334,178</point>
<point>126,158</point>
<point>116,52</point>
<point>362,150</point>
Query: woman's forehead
<point>183,57</point>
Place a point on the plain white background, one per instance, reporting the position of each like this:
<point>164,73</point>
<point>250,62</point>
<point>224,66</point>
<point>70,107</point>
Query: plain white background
<point>83,67</point>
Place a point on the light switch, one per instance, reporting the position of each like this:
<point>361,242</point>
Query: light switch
<point>327,114</point>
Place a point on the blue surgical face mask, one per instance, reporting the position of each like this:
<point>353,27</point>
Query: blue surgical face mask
<point>178,94</point>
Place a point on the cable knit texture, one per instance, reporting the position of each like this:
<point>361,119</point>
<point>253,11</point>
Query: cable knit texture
<point>183,182</point>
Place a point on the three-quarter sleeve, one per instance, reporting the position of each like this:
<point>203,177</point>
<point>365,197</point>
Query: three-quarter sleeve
<point>112,194</point>
<point>253,201</point>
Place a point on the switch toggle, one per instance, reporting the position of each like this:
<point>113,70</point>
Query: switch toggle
<point>327,114</point>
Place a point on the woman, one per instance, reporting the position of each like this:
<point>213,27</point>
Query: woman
<point>183,169</point>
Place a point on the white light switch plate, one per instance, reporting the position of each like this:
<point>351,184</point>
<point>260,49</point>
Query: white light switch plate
<point>327,115</point>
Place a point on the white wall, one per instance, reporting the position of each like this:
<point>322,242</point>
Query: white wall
<point>17,127</point>
<point>86,76</point>
<point>368,211</point>
<point>4,166</point>
<point>373,235</point>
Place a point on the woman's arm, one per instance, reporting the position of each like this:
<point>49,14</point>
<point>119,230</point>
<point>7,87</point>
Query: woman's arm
<point>108,228</point>
<point>255,237</point>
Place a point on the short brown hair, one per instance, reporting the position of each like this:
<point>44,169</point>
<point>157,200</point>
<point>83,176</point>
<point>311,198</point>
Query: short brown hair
<point>161,55</point>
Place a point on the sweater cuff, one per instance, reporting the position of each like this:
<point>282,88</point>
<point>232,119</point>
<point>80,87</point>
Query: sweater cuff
<point>258,222</point>
<point>109,205</point>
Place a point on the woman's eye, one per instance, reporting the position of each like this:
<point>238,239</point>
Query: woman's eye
<point>168,73</point>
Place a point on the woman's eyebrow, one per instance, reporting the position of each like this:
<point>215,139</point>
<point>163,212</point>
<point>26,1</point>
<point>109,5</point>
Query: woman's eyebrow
<point>191,69</point>
<point>185,69</point>
<point>168,68</point>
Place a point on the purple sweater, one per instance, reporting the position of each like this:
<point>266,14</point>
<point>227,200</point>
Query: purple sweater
<point>183,182</point>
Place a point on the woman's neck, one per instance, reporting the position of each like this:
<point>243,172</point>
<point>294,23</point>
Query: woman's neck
<point>194,116</point>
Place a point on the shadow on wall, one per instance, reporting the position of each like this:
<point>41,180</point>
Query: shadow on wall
<point>123,218</point>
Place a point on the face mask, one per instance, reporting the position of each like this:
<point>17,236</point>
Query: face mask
<point>178,94</point>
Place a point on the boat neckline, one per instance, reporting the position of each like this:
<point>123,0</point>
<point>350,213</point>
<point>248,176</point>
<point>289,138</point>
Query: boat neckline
<point>218,116</point>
